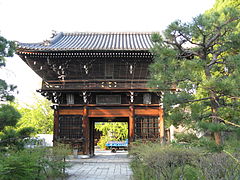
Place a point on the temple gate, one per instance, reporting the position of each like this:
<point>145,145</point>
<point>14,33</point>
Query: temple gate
<point>93,77</point>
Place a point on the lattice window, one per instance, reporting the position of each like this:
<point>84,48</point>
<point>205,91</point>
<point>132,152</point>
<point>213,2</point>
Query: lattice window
<point>70,127</point>
<point>146,127</point>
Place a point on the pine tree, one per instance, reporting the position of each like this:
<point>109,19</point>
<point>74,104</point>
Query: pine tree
<point>8,114</point>
<point>197,65</point>
<point>6,50</point>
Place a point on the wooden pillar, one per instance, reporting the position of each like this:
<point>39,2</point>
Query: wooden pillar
<point>56,125</point>
<point>131,123</point>
<point>161,125</point>
<point>85,127</point>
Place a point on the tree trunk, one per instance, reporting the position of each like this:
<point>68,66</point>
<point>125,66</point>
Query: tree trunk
<point>217,135</point>
<point>214,107</point>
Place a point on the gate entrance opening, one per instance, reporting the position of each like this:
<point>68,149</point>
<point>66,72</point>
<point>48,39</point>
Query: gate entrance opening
<point>96,135</point>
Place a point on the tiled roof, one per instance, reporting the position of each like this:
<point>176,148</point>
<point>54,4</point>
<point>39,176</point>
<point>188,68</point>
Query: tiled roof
<point>92,41</point>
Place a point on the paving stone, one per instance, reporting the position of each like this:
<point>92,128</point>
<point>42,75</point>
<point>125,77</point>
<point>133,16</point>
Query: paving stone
<point>104,166</point>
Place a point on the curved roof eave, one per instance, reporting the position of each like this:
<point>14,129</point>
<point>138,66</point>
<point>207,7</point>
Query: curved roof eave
<point>92,42</point>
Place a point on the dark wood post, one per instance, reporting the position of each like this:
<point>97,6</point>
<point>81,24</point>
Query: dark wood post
<point>85,126</point>
<point>131,123</point>
<point>56,126</point>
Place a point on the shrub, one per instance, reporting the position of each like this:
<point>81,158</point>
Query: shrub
<point>186,137</point>
<point>170,162</point>
<point>153,161</point>
<point>32,164</point>
<point>219,166</point>
<point>208,145</point>
<point>56,160</point>
<point>20,165</point>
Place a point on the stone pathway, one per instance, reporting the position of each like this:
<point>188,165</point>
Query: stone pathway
<point>103,166</point>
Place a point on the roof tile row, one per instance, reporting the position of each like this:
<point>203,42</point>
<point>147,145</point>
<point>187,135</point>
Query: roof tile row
<point>93,41</point>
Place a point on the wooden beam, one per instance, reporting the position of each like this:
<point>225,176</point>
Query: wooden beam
<point>147,112</point>
<point>109,105</point>
<point>71,112</point>
<point>97,80</point>
<point>108,112</point>
<point>105,112</point>
<point>131,123</point>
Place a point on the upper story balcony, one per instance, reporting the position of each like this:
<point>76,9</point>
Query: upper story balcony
<point>95,84</point>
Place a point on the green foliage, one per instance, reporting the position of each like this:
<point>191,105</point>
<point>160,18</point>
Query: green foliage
<point>197,66</point>
<point>38,115</point>
<point>6,90</point>
<point>208,145</point>
<point>155,161</point>
<point>212,127</point>
<point>186,137</point>
<point>9,116</point>
<point>19,165</point>
<point>7,49</point>
<point>189,173</point>
<point>32,164</point>
<point>102,141</point>
<point>232,145</point>
<point>54,161</point>
<point>12,139</point>
<point>221,4</point>
<point>219,166</point>
<point>112,131</point>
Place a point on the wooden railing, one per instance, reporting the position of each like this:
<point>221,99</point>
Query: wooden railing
<point>95,84</point>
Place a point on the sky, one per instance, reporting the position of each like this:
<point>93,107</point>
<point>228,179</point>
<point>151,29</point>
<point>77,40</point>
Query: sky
<point>34,20</point>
